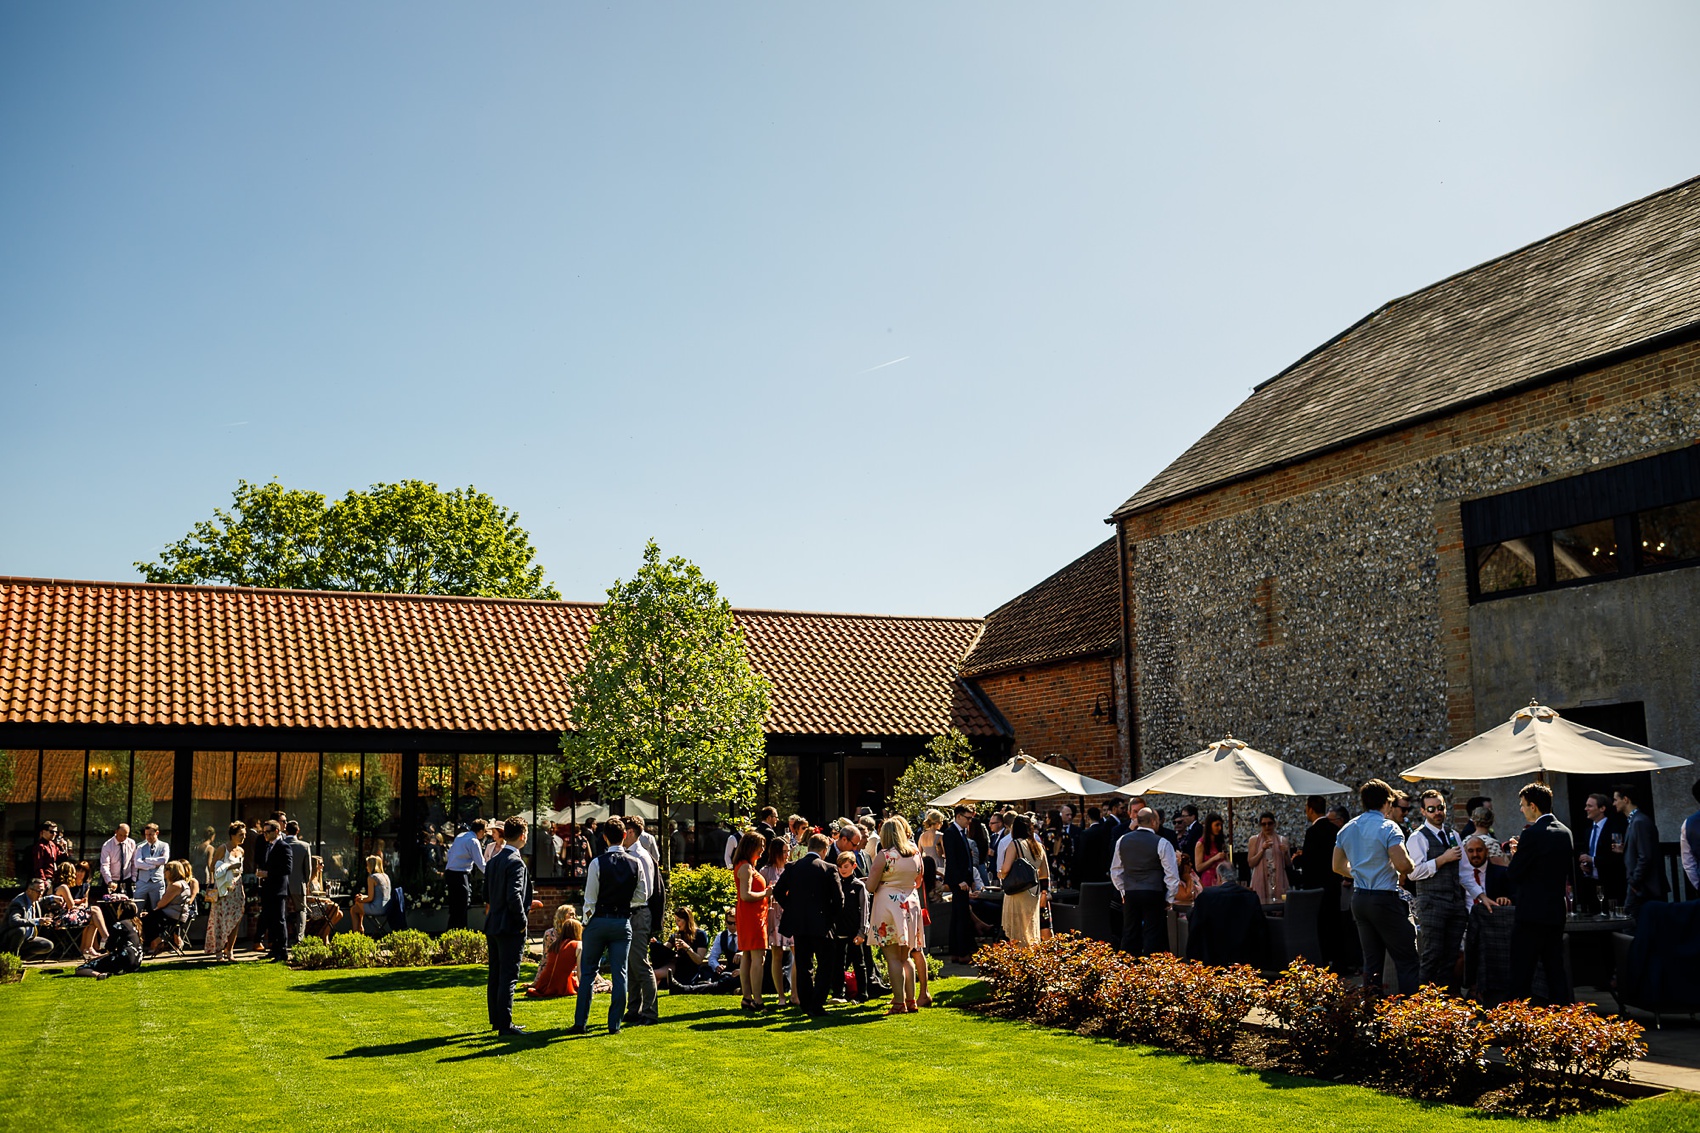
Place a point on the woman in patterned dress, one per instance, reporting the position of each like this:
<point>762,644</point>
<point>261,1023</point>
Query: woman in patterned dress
<point>778,857</point>
<point>231,902</point>
<point>894,923</point>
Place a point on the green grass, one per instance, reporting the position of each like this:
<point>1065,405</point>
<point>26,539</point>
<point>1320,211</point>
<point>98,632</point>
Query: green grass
<point>252,1046</point>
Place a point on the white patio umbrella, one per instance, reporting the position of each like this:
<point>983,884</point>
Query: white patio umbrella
<point>1023,777</point>
<point>1231,769</point>
<point>1537,740</point>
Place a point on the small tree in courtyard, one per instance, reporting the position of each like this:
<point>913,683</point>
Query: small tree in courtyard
<point>668,706</point>
<point>947,762</point>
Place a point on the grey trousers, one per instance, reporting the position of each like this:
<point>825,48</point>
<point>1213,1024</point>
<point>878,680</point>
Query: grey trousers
<point>1441,924</point>
<point>640,973</point>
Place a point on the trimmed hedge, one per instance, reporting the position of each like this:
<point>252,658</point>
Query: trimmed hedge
<point>1430,1044</point>
<point>11,967</point>
<point>462,946</point>
<point>409,948</point>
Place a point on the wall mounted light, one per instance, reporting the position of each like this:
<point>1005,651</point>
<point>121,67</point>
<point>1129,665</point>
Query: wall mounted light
<point>506,773</point>
<point>349,772</point>
<point>100,772</point>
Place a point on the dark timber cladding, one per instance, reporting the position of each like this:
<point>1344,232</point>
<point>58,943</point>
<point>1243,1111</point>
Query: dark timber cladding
<point>1655,481</point>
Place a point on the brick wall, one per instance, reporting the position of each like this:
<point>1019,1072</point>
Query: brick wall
<point>1319,611</point>
<point>1050,709</point>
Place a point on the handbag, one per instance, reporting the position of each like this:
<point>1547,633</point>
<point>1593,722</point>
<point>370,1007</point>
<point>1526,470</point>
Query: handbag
<point>1022,876</point>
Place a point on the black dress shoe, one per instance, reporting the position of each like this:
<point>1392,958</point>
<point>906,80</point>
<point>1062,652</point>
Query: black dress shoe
<point>576,1029</point>
<point>513,1030</point>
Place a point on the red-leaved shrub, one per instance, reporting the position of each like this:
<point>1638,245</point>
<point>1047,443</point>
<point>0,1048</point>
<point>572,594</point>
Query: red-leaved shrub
<point>1430,1041</point>
<point>1559,1047</point>
<point>1325,1021</point>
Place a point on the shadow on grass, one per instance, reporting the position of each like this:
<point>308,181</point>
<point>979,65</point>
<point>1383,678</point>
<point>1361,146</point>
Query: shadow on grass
<point>463,1047</point>
<point>396,979</point>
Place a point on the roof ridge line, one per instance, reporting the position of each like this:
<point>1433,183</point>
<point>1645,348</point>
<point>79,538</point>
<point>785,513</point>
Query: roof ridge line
<point>1519,250</point>
<point>1054,574</point>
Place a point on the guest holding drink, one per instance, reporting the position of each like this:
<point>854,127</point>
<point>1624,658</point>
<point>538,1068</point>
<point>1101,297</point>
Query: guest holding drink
<point>1268,854</point>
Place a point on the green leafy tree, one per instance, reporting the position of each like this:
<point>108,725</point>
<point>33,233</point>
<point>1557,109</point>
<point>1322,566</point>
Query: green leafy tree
<point>947,762</point>
<point>404,538</point>
<point>124,795</point>
<point>668,706</point>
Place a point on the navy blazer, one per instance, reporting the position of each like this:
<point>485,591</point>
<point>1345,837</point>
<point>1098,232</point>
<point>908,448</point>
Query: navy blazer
<point>507,890</point>
<point>1539,871</point>
<point>810,895</point>
<point>1642,866</point>
<point>958,857</point>
<point>277,862</point>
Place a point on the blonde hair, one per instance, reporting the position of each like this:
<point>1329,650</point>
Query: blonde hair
<point>932,818</point>
<point>896,835</point>
<point>177,871</point>
<point>567,927</point>
<point>374,864</point>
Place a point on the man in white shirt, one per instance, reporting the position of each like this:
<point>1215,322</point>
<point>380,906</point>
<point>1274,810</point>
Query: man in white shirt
<point>151,856</point>
<point>465,855</point>
<point>1445,893</point>
<point>615,887</point>
<point>732,839</point>
<point>641,1006</point>
<point>1145,872</point>
<point>118,862</point>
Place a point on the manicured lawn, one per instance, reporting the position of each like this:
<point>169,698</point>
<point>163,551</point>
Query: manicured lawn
<point>252,1046</point>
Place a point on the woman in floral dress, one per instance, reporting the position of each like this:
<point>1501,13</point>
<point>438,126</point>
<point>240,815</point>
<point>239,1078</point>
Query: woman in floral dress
<point>778,944</point>
<point>230,902</point>
<point>894,923</point>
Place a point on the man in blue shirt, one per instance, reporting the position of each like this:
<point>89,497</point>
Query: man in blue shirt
<point>466,853</point>
<point>1370,850</point>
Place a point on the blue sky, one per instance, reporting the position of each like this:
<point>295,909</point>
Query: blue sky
<point>873,307</point>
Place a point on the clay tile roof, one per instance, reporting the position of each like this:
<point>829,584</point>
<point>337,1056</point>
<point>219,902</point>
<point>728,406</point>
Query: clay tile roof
<point>1073,613</point>
<point>145,654</point>
<point>1621,280</point>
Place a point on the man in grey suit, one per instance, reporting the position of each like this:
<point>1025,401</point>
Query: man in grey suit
<point>1643,867</point>
<point>300,869</point>
<point>507,894</point>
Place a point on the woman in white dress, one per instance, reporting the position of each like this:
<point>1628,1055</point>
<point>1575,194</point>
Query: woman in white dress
<point>894,922</point>
<point>1021,910</point>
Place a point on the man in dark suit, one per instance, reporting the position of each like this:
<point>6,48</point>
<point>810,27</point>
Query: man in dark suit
<point>507,904</point>
<point>1097,851</point>
<point>809,893</point>
<point>1643,865</point>
<point>300,872</point>
<point>959,880</point>
<point>1228,926</point>
<point>275,868</point>
<point>1599,868</point>
<point>1539,870</point>
<point>1316,871</point>
<point>766,820</point>
<point>1192,831</point>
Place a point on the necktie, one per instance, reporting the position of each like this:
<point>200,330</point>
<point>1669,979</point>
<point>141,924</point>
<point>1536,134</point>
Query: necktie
<point>1478,877</point>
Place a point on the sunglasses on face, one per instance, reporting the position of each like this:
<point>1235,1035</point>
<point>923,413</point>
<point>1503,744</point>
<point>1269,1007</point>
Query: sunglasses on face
<point>1435,809</point>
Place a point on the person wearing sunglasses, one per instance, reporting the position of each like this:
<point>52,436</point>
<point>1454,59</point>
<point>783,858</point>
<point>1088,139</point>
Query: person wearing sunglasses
<point>1444,893</point>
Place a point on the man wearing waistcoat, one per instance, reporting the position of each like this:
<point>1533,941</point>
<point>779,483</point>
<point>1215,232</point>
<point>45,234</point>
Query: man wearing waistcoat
<point>1444,892</point>
<point>614,887</point>
<point>1145,874</point>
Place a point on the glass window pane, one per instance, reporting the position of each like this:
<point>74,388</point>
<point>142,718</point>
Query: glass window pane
<point>62,784</point>
<point>209,810</point>
<point>380,801</point>
<point>17,810</point>
<point>1505,566</point>
<point>152,799</point>
<point>1586,551</point>
<point>298,784</point>
<point>337,835</point>
<point>1670,534</point>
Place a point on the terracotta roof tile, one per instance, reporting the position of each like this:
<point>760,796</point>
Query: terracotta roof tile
<point>1070,614</point>
<point>144,654</point>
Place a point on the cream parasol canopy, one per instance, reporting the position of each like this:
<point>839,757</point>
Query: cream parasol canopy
<point>1023,777</point>
<point>1231,769</point>
<point>1536,740</point>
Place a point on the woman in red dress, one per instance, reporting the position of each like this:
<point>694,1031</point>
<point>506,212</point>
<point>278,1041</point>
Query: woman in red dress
<point>751,917</point>
<point>558,974</point>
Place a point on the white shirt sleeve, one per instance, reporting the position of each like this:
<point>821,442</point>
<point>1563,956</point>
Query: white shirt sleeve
<point>592,879</point>
<point>1171,869</point>
<point>1689,865</point>
<point>1417,847</point>
<point>1117,877</point>
<point>731,849</point>
<point>109,861</point>
<point>640,895</point>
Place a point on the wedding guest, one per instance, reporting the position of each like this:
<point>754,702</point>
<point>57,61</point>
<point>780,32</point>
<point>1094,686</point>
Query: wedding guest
<point>558,974</point>
<point>22,931</point>
<point>689,948</point>
<point>850,932</point>
<point>45,856</point>
<point>1541,858</point>
<point>1269,854</point>
<point>151,855</point>
<point>895,919</point>
<point>72,888</point>
<point>1021,910</point>
<point>229,900</point>
<point>123,946</point>
<point>1643,864</point>
<point>118,861</point>
<point>204,854</point>
<point>752,917</point>
<point>1210,853</point>
<point>274,875</point>
<point>377,896</point>
<point>931,839</point>
<point>809,895</point>
<point>175,907</point>
<point>323,914</point>
<point>779,945</point>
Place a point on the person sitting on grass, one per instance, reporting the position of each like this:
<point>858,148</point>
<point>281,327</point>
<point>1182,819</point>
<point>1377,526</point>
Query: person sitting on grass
<point>377,898</point>
<point>558,974</point>
<point>719,972</point>
<point>176,906</point>
<point>76,912</point>
<point>123,945</point>
<point>323,914</point>
<point>688,949</point>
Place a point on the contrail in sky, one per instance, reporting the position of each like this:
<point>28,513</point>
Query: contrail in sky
<point>883,365</point>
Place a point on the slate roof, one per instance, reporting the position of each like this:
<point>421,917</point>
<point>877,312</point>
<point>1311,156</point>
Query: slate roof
<point>1073,613</point>
<point>146,654</point>
<point>1620,280</point>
